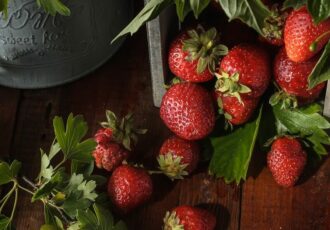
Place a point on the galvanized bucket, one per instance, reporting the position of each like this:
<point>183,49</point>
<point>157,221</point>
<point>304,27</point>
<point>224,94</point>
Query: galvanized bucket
<point>38,50</point>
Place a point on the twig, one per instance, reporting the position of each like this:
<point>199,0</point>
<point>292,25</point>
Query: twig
<point>26,180</point>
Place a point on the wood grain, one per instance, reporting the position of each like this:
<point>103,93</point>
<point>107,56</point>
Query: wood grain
<point>9,99</point>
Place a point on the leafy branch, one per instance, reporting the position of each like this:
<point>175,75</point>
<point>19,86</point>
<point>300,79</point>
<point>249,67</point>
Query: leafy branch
<point>51,7</point>
<point>66,196</point>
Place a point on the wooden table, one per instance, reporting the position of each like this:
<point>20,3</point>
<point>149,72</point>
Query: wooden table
<point>122,85</point>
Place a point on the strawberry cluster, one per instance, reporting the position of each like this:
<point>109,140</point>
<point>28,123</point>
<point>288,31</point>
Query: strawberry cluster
<point>239,77</point>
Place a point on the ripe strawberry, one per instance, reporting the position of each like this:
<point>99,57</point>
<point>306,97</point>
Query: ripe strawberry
<point>237,112</point>
<point>244,70</point>
<point>114,141</point>
<point>187,110</point>
<point>109,155</point>
<point>302,38</point>
<point>103,135</point>
<point>286,161</point>
<point>129,187</point>
<point>178,157</point>
<point>292,77</point>
<point>193,54</point>
<point>189,218</point>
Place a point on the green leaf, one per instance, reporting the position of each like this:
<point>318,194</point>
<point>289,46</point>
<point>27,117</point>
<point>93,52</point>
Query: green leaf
<point>104,217</point>
<point>72,205</point>
<point>80,193</point>
<point>319,9</point>
<point>305,122</point>
<point>54,150</point>
<point>98,219</point>
<point>46,170</point>
<point>79,167</point>
<point>48,187</point>
<point>99,180</point>
<point>53,7</point>
<point>88,190</point>
<point>231,160</point>
<point>48,227</point>
<point>251,12</point>
<point>198,6</point>
<point>295,4</point>
<point>83,151</point>
<point>4,7</point>
<point>15,167</point>
<point>151,10</point>
<point>182,9</point>
<point>49,214</point>
<point>321,71</point>
<point>69,138</point>
<point>5,173</point>
<point>5,223</point>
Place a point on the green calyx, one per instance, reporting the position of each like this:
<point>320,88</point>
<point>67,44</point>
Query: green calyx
<point>123,131</point>
<point>230,86</point>
<point>172,222</point>
<point>172,166</point>
<point>284,99</point>
<point>274,23</point>
<point>203,46</point>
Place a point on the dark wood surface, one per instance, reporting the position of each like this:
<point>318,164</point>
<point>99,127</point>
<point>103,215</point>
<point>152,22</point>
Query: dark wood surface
<point>123,84</point>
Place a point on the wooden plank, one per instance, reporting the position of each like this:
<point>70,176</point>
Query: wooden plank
<point>8,104</point>
<point>33,130</point>
<point>265,205</point>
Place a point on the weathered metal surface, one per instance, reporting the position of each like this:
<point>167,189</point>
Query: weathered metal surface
<point>159,31</point>
<point>38,50</point>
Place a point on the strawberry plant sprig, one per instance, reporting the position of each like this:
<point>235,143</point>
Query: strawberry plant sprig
<point>68,193</point>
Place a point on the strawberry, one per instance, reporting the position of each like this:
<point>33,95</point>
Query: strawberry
<point>193,54</point>
<point>109,155</point>
<point>187,110</point>
<point>286,161</point>
<point>237,112</point>
<point>178,157</point>
<point>114,141</point>
<point>103,135</point>
<point>292,77</point>
<point>129,187</point>
<point>189,218</point>
<point>244,70</point>
<point>302,38</point>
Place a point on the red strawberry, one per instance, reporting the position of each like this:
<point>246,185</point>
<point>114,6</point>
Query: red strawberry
<point>244,70</point>
<point>129,187</point>
<point>109,155</point>
<point>237,112</point>
<point>292,77</point>
<point>178,157</point>
<point>103,135</point>
<point>114,141</point>
<point>193,55</point>
<point>286,161</point>
<point>300,33</point>
<point>189,218</point>
<point>187,109</point>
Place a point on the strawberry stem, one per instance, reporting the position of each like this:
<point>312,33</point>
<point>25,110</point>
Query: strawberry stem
<point>313,46</point>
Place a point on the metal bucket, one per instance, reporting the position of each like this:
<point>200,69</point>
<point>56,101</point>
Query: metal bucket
<point>38,50</point>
